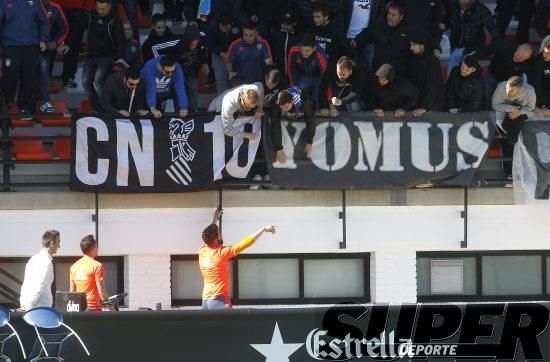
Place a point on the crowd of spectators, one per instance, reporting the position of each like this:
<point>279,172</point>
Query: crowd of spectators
<point>304,56</point>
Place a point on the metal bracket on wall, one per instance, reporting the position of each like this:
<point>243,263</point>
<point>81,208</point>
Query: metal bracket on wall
<point>342,216</point>
<point>464,215</point>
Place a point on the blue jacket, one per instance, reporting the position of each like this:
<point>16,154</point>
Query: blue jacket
<point>158,85</point>
<point>23,22</point>
<point>59,28</point>
<point>248,60</point>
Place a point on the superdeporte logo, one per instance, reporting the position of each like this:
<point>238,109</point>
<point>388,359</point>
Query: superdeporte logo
<point>418,331</point>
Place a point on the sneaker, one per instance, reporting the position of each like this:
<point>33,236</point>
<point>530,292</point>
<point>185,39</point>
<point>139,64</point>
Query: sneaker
<point>256,178</point>
<point>70,83</point>
<point>47,107</point>
<point>270,185</point>
<point>26,115</point>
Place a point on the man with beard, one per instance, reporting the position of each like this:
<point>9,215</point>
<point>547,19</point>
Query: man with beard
<point>341,88</point>
<point>389,92</point>
<point>465,88</point>
<point>329,35</point>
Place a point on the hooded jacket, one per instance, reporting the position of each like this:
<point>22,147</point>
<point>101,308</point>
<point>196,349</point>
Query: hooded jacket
<point>219,42</point>
<point>155,45</point>
<point>192,51</point>
<point>159,86</point>
<point>281,42</point>
<point>348,91</point>
<point>468,27</point>
<point>426,76</point>
<point>466,93</point>
<point>115,96</point>
<point>105,36</point>
<point>399,93</point>
<point>23,23</point>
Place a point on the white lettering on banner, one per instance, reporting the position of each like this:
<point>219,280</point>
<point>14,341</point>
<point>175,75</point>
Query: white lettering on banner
<point>81,159</point>
<point>470,144</point>
<point>391,160</point>
<point>218,138</point>
<point>342,146</point>
<point>143,155</point>
<point>420,146</point>
<point>371,142</point>
<point>73,307</point>
<point>289,143</point>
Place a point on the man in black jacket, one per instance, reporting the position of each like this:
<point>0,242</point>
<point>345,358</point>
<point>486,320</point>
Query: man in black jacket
<point>391,41</point>
<point>465,88</point>
<point>341,88</point>
<point>505,10</point>
<point>219,39</point>
<point>541,80</point>
<point>121,90</point>
<point>268,13</point>
<point>509,60</point>
<point>106,46</point>
<point>425,16</point>
<point>426,76</point>
<point>468,20</point>
<point>303,10</point>
<point>160,41</point>
<point>389,92</point>
<point>281,40</point>
<point>329,34</point>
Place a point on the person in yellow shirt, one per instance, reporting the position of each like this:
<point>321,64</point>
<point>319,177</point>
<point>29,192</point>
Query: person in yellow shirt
<point>214,263</point>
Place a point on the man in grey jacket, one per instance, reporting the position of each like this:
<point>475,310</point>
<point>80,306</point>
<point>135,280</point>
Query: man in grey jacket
<point>513,101</point>
<point>241,101</point>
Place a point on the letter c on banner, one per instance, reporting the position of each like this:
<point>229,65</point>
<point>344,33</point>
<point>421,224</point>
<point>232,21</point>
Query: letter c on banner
<point>81,155</point>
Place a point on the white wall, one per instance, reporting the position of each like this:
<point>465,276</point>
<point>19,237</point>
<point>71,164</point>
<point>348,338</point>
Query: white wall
<point>392,234</point>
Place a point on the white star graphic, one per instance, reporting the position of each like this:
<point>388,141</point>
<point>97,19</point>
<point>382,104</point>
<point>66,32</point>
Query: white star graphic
<point>277,351</point>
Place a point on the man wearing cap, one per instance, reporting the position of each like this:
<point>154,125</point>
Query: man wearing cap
<point>389,92</point>
<point>282,40</point>
<point>426,75</point>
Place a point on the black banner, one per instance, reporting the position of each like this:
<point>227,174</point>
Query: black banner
<point>434,332</point>
<point>532,159</point>
<point>163,155</point>
<point>357,150</point>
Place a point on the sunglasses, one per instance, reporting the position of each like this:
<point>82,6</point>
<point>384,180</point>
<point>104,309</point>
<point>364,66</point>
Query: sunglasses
<point>132,84</point>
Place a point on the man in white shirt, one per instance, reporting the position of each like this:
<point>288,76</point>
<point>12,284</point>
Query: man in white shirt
<point>36,289</point>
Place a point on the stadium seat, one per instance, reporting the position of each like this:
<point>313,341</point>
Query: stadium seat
<point>19,123</point>
<point>60,106</point>
<point>62,148</point>
<point>29,149</point>
<point>85,107</point>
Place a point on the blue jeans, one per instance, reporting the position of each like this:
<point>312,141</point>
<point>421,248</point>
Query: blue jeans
<point>354,107</point>
<point>93,76</point>
<point>218,64</point>
<point>44,70</point>
<point>216,303</point>
<point>192,90</point>
<point>310,86</point>
<point>454,59</point>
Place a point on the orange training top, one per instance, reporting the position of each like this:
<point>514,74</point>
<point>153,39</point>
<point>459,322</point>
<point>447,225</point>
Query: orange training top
<point>214,264</point>
<point>85,273</point>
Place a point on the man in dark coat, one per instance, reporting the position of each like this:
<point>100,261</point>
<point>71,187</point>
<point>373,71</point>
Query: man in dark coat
<point>465,88</point>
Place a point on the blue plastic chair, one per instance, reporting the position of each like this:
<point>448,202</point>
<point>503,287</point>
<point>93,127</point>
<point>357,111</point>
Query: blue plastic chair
<point>5,322</point>
<point>48,318</point>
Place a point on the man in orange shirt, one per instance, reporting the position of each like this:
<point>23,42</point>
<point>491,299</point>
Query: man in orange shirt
<point>87,275</point>
<point>214,263</point>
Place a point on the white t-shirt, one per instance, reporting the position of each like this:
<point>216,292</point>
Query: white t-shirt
<point>360,17</point>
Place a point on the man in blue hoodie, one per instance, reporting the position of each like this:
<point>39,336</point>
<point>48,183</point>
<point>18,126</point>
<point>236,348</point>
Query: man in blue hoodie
<point>24,33</point>
<point>164,80</point>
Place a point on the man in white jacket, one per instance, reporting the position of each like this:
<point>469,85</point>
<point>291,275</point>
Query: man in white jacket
<point>39,274</point>
<point>245,100</point>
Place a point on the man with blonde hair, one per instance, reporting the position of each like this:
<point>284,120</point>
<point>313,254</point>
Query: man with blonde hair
<point>245,100</point>
<point>36,289</point>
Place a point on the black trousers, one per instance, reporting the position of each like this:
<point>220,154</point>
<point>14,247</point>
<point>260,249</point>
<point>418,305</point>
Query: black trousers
<point>78,22</point>
<point>513,128</point>
<point>20,63</point>
<point>506,10</point>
